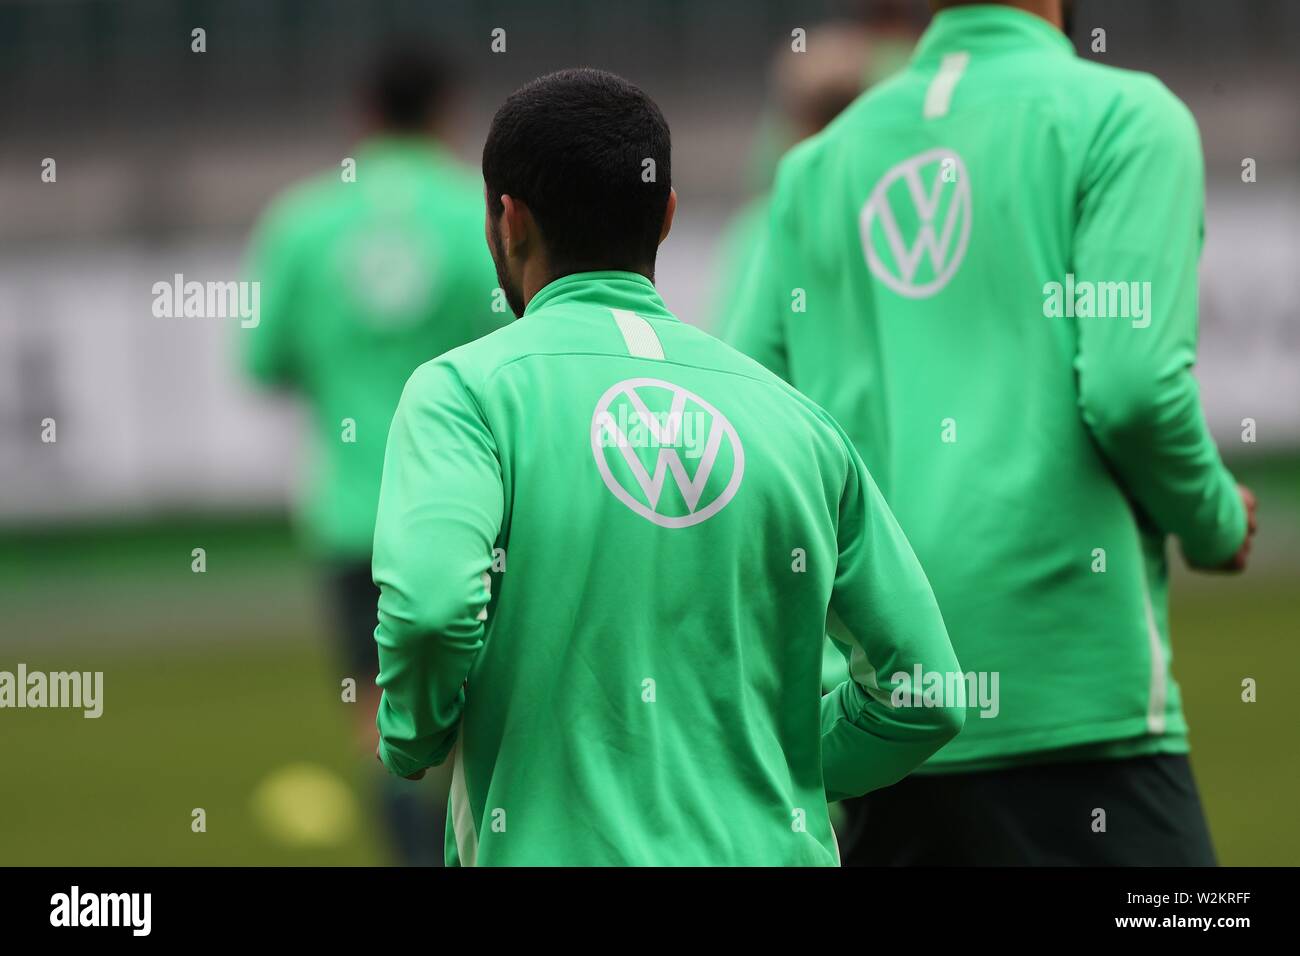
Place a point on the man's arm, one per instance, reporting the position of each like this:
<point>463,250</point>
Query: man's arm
<point>1141,220</point>
<point>883,609</point>
<point>274,263</point>
<point>754,321</point>
<point>440,511</point>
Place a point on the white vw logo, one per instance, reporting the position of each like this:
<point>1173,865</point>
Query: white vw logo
<point>668,432</point>
<point>944,250</point>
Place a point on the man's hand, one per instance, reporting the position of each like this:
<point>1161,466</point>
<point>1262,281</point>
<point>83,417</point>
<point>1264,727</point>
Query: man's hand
<point>418,775</point>
<point>1238,562</point>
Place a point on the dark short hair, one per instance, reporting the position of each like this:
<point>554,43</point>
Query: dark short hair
<point>573,147</point>
<point>406,85</point>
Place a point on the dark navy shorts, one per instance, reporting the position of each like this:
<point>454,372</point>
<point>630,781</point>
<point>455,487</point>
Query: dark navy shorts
<point>1035,815</point>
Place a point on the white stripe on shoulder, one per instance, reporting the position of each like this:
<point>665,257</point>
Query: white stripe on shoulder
<point>938,97</point>
<point>638,334</point>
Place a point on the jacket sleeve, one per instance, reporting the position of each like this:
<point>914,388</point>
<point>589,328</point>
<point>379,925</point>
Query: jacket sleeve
<point>753,321</point>
<point>1141,221</point>
<point>874,727</point>
<point>440,512</point>
<point>274,262</point>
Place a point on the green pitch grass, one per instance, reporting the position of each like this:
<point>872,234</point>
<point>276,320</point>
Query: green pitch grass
<point>196,727</point>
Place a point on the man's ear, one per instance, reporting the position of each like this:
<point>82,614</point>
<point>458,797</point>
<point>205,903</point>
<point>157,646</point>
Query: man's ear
<point>669,211</point>
<point>516,224</point>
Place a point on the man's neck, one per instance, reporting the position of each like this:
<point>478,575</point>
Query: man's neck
<point>537,278</point>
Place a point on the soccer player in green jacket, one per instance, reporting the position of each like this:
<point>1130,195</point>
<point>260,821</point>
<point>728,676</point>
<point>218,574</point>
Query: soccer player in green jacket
<point>608,547</point>
<point>366,272</point>
<point>985,269</point>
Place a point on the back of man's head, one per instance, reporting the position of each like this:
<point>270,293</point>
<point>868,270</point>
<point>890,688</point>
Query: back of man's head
<point>406,88</point>
<point>589,154</point>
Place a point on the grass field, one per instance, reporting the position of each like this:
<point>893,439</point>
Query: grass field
<point>182,728</point>
<point>220,694</point>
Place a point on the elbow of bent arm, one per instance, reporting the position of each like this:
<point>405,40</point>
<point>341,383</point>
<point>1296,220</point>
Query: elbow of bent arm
<point>1122,402</point>
<point>936,723</point>
<point>422,597</point>
<point>434,615</point>
<point>942,724</point>
<point>933,723</point>
<point>939,724</point>
<point>951,720</point>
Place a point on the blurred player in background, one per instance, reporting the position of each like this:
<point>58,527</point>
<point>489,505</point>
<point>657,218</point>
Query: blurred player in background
<point>1037,452</point>
<point>363,278</point>
<point>638,682</point>
<point>842,59</point>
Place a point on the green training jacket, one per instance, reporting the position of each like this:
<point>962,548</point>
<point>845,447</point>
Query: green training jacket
<point>985,270</point>
<point>608,548</point>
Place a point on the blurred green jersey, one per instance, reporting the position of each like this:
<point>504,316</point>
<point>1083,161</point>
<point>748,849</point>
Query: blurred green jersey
<point>986,271</point>
<point>608,547</point>
<point>361,282</point>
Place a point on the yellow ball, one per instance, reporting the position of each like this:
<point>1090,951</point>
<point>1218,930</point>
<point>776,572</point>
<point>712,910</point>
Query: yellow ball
<point>306,805</point>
